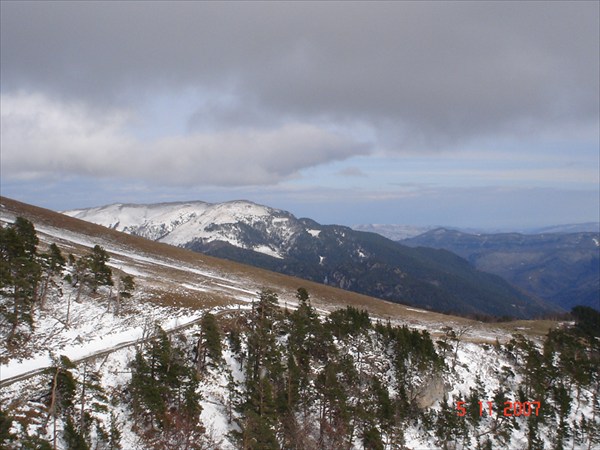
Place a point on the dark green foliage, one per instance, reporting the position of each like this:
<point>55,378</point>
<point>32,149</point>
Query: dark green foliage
<point>62,387</point>
<point>114,434</point>
<point>101,274</point>
<point>127,286</point>
<point>331,386</point>
<point>52,264</point>
<point>235,343</point>
<point>264,375</point>
<point>449,427</point>
<point>308,379</point>
<point>383,410</point>
<point>502,427</point>
<point>308,338</point>
<point>587,319</point>
<point>34,443</point>
<point>568,363</point>
<point>257,432</point>
<point>20,272</point>
<point>330,383</point>
<point>348,321</point>
<point>208,347</point>
<point>74,440</point>
<point>28,239</point>
<point>164,393</point>
<point>371,439</point>
<point>6,436</point>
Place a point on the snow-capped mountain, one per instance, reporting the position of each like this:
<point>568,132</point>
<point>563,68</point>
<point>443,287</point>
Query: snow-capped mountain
<point>242,224</point>
<point>331,254</point>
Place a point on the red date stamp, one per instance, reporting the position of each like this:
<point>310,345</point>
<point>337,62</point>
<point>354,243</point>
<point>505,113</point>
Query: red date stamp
<point>511,409</point>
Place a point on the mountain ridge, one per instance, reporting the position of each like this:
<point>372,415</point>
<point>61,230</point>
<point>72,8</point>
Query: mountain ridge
<point>332,254</point>
<point>563,268</point>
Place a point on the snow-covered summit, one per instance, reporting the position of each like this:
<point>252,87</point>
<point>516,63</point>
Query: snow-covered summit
<point>240,223</point>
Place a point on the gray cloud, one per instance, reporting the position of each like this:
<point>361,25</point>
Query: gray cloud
<point>413,72</point>
<point>44,138</point>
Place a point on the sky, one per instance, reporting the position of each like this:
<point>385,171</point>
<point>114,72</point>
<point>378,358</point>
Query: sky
<point>467,114</point>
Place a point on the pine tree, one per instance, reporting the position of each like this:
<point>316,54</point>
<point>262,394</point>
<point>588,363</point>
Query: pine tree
<point>6,437</point>
<point>334,409</point>
<point>97,263</point>
<point>20,273</point>
<point>164,392</point>
<point>264,376</point>
<point>449,426</point>
<point>74,439</point>
<point>209,342</point>
<point>52,263</point>
<point>62,393</point>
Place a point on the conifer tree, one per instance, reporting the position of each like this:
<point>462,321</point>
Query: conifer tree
<point>52,262</point>
<point>164,392</point>
<point>209,342</point>
<point>19,273</point>
<point>264,375</point>
<point>6,436</point>
<point>97,263</point>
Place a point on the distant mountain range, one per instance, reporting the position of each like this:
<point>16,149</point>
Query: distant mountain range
<point>393,231</point>
<point>558,266</point>
<point>398,232</point>
<point>335,255</point>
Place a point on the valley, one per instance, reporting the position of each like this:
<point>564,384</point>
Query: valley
<point>560,267</point>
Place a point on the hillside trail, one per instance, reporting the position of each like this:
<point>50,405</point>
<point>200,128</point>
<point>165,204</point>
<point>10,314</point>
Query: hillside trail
<point>106,351</point>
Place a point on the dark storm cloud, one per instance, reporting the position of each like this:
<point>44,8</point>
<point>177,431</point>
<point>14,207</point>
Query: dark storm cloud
<point>445,71</point>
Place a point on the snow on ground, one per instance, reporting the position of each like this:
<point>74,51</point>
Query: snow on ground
<point>83,342</point>
<point>79,329</point>
<point>265,249</point>
<point>314,233</point>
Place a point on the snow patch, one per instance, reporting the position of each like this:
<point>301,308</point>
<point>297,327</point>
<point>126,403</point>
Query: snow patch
<point>265,249</point>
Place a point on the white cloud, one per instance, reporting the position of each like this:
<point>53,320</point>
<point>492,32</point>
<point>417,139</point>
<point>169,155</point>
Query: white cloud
<point>43,138</point>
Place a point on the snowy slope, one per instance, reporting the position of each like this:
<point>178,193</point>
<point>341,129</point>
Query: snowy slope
<point>183,223</point>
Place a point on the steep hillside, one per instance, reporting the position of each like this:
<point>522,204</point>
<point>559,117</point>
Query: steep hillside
<point>209,354</point>
<point>339,256</point>
<point>563,268</point>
